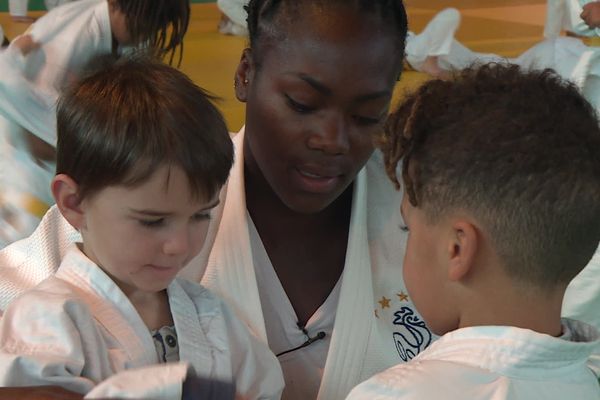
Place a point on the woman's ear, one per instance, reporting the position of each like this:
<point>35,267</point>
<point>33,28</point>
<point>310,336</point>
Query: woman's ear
<point>244,75</point>
<point>66,194</point>
<point>462,250</point>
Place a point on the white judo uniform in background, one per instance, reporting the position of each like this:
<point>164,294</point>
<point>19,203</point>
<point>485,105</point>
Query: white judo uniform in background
<point>69,37</point>
<point>18,8</point>
<point>494,363</point>
<point>569,56</point>
<point>234,10</point>
<point>375,323</point>
<point>77,329</point>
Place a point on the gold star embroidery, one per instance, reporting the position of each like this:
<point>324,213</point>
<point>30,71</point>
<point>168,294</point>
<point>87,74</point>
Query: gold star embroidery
<point>376,313</point>
<point>385,302</point>
<point>402,296</point>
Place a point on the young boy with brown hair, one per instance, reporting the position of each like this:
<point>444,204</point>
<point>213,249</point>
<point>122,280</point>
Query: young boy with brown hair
<point>141,157</point>
<point>501,173</point>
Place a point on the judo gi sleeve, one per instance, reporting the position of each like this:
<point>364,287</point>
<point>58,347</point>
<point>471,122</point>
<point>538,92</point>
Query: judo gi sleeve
<point>256,371</point>
<point>41,344</point>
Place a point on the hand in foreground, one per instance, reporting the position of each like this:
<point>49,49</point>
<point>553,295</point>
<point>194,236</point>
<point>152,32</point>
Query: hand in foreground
<point>591,14</point>
<point>26,44</point>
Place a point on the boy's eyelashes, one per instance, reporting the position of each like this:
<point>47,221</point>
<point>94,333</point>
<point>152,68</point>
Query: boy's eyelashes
<point>152,223</point>
<point>403,228</point>
<point>201,216</point>
<point>158,222</point>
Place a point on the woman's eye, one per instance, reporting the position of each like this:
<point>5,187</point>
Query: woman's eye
<point>404,228</point>
<point>298,107</point>
<point>152,223</point>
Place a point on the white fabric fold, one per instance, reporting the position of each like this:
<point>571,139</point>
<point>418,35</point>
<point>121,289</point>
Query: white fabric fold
<point>77,329</point>
<point>494,363</point>
<point>230,270</point>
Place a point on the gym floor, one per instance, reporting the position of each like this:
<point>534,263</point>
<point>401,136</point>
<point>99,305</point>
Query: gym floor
<point>506,27</point>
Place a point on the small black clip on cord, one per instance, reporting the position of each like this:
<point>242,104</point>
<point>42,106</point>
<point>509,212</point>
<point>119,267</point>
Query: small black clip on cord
<point>320,335</point>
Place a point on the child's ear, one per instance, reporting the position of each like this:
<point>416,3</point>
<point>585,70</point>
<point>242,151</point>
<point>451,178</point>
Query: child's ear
<point>462,249</point>
<point>244,75</point>
<point>66,194</point>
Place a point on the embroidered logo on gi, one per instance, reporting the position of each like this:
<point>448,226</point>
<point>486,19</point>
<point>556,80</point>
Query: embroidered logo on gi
<point>413,335</point>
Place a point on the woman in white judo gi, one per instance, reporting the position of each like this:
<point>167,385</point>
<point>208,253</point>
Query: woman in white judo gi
<point>35,68</point>
<point>481,166</point>
<point>141,157</point>
<point>305,243</point>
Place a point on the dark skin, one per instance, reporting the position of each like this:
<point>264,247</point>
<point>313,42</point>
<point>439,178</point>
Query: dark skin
<point>308,134</point>
<point>294,240</point>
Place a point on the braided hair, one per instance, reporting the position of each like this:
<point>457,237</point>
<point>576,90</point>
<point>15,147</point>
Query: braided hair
<point>161,24</point>
<point>262,14</point>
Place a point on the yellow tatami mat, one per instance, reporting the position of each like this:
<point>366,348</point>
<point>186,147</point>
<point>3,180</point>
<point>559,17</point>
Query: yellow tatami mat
<point>506,27</point>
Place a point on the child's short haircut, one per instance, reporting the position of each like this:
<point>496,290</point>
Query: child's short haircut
<point>519,151</point>
<point>119,124</point>
<point>159,23</point>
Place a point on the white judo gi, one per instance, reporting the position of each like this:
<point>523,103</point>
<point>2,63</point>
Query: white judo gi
<point>569,56</point>
<point>234,10</point>
<point>18,8</point>
<point>565,15</point>
<point>376,324</point>
<point>76,329</point>
<point>494,363</point>
<point>69,37</point>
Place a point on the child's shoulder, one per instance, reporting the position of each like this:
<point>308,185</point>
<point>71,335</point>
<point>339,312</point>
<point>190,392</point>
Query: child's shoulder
<point>49,298</point>
<point>413,380</point>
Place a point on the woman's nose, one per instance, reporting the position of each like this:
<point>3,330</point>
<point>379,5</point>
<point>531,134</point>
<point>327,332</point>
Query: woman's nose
<point>331,135</point>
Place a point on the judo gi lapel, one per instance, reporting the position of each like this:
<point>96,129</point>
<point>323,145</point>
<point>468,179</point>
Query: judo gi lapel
<point>194,346</point>
<point>110,307</point>
<point>353,322</point>
<point>230,268</point>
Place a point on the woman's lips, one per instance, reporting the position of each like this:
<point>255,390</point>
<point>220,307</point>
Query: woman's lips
<point>314,181</point>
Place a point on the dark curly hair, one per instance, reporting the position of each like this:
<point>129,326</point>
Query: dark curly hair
<point>519,151</point>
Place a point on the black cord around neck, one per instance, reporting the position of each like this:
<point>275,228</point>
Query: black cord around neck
<point>320,335</point>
